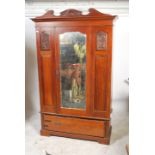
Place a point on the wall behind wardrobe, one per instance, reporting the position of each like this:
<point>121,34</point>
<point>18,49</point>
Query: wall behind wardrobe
<point>120,45</point>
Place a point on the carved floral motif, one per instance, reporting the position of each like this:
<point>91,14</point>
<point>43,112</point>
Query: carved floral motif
<point>101,40</point>
<point>44,41</point>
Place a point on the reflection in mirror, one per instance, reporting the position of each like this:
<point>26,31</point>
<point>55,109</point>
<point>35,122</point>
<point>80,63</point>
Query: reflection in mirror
<point>73,69</point>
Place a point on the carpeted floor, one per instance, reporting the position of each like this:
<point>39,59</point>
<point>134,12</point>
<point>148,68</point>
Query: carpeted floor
<point>35,144</point>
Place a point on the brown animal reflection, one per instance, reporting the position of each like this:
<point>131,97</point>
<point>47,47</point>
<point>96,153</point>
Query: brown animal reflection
<point>73,76</point>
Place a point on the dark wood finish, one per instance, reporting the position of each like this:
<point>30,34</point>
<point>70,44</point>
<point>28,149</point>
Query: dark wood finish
<point>92,123</point>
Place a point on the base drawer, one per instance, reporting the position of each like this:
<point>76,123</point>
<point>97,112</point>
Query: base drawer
<point>74,125</point>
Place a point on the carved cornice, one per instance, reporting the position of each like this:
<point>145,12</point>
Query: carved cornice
<point>35,8</point>
<point>72,14</point>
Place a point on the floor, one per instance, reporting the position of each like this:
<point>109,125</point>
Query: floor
<point>36,144</point>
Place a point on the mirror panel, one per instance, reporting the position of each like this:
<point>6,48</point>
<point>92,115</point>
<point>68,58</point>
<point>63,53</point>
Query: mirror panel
<point>73,69</point>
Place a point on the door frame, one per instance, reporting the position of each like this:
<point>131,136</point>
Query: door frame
<point>74,111</point>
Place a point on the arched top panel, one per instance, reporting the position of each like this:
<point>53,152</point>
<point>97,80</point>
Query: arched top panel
<point>72,14</point>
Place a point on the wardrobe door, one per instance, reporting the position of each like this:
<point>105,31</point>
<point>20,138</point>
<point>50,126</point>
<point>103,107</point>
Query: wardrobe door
<point>73,73</point>
<point>102,41</point>
<point>46,65</point>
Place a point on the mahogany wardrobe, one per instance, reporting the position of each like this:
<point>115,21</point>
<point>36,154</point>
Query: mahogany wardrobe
<point>74,54</point>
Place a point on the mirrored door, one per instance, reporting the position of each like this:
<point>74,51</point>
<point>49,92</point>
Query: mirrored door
<point>72,64</point>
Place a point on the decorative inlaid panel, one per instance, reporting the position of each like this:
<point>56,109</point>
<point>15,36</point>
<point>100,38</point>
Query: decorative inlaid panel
<point>101,40</point>
<point>44,41</point>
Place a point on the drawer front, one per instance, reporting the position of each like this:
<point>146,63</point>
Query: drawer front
<point>74,125</point>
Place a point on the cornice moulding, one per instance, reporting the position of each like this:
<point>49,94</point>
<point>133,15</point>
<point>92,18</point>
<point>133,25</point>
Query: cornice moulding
<point>33,9</point>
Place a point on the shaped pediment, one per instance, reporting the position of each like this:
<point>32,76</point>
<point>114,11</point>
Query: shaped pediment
<point>72,13</point>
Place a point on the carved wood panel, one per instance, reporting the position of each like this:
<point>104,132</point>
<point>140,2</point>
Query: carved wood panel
<point>101,40</point>
<point>44,41</point>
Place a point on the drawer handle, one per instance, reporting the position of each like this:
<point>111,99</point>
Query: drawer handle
<point>48,121</point>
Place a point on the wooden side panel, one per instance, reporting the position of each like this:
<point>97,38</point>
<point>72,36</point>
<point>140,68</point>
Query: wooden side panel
<point>101,68</point>
<point>46,68</point>
<point>74,125</point>
<point>100,83</point>
<point>47,83</point>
